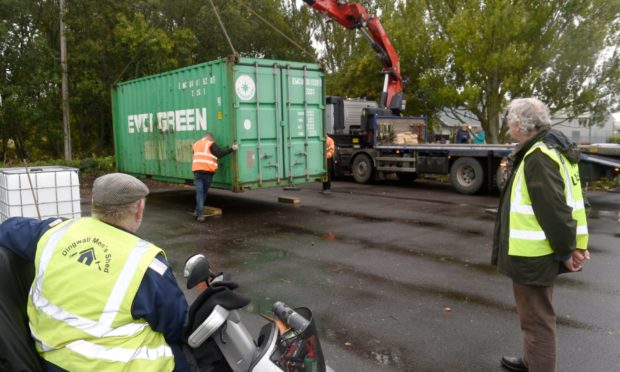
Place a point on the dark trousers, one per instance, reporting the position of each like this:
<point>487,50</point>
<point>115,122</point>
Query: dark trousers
<point>327,185</point>
<point>202,181</point>
<point>537,318</point>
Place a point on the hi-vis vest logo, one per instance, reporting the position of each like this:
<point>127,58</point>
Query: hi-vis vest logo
<point>245,88</point>
<point>90,251</point>
<point>86,257</point>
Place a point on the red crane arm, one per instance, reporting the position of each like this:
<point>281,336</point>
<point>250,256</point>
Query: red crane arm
<point>355,16</point>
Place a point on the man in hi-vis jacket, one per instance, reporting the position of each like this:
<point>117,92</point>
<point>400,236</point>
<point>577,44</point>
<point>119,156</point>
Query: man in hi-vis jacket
<point>204,164</point>
<point>102,299</point>
<point>541,228</point>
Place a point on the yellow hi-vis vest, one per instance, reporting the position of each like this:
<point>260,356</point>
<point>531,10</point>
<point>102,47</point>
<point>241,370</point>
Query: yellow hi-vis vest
<point>527,238</point>
<point>87,274</point>
<point>203,159</point>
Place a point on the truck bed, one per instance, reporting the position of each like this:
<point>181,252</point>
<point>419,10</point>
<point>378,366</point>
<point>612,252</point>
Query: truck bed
<point>452,148</point>
<point>607,149</point>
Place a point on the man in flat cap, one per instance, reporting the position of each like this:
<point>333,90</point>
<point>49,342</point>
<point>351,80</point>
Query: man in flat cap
<point>102,298</point>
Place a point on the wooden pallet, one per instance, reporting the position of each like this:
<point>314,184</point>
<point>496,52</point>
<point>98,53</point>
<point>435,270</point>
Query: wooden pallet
<point>288,199</point>
<point>212,211</point>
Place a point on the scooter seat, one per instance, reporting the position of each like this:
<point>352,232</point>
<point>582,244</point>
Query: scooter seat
<point>220,294</point>
<point>17,351</point>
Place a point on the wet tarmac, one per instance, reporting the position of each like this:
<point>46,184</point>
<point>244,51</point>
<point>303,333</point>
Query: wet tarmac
<point>398,277</point>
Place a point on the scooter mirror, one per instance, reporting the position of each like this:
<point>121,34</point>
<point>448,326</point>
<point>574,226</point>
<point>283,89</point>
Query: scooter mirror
<point>196,270</point>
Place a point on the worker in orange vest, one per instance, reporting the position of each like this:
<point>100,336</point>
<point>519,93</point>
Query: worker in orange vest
<point>204,164</point>
<point>330,148</point>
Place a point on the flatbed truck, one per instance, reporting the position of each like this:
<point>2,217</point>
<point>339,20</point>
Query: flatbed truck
<point>384,144</point>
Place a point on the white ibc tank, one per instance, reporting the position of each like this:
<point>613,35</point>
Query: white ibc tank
<point>55,190</point>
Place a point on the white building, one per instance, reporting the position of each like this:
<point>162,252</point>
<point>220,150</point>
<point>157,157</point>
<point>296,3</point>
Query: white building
<point>580,131</point>
<point>450,120</point>
<point>577,130</point>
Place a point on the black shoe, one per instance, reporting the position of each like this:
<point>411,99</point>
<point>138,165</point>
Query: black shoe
<point>514,364</point>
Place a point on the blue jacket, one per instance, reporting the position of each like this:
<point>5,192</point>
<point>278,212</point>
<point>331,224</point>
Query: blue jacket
<point>159,300</point>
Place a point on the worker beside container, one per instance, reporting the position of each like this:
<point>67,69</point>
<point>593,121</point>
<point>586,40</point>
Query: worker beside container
<point>204,164</point>
<point>330,148</point>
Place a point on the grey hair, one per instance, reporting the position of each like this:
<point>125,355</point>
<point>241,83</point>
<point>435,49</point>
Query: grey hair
<point>114,213</point>
<point>532,113</point>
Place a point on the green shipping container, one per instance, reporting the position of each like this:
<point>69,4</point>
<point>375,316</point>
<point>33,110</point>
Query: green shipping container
<point>272,109</point>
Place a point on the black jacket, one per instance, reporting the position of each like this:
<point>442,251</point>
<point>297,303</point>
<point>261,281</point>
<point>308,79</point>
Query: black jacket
<point>546,188</point>
<point>218,153</point>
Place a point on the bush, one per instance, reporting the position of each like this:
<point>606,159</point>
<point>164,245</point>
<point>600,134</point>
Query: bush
<point>614,139</point>
<point>605,183</point>
<point>95,166</point>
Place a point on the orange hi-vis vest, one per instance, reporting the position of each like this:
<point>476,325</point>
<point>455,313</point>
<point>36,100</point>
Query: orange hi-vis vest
<point>203,159</point>
<point>330,147</point>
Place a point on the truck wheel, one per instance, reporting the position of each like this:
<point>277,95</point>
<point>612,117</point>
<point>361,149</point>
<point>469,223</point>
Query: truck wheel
<point>362,169</point>
<point>467,175</point>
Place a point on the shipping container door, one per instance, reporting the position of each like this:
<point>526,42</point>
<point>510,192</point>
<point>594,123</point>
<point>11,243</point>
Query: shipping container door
<point>302,122</point>
<point>258,94</point>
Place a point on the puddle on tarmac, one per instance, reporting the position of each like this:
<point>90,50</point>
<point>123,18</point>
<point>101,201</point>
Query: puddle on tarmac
<point>406,221</point>
<point>362,344</point>
<point>392,248</point>
<point>367,218</point>
<point>386,357</point>
<point>457,296</point>
<point>601,213</point>
<point>566,321</point>
<point>261,305</point>
<point>274,254</point>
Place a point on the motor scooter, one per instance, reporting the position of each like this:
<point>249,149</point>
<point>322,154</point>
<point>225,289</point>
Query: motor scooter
<point>218,339</point>
<point>288,342</point>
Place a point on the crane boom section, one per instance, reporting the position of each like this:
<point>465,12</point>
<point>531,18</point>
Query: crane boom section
<point>355,16</point>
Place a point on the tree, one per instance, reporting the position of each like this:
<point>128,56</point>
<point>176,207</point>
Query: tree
<point>484,53</point>
<point>112,41</point>
<point>478,55</point>
<point>28,83</point>
<point>108,42</point>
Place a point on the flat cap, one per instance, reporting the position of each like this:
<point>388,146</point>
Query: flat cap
<point>117,189</point>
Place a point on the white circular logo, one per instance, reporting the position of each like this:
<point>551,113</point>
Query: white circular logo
<point>245,88</point>
<point>247,124</point>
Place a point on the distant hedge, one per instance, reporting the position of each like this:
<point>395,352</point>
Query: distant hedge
<point>94,166</point>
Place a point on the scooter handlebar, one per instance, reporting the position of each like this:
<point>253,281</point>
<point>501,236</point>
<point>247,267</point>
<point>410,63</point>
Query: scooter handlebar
<point>290,317</point>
